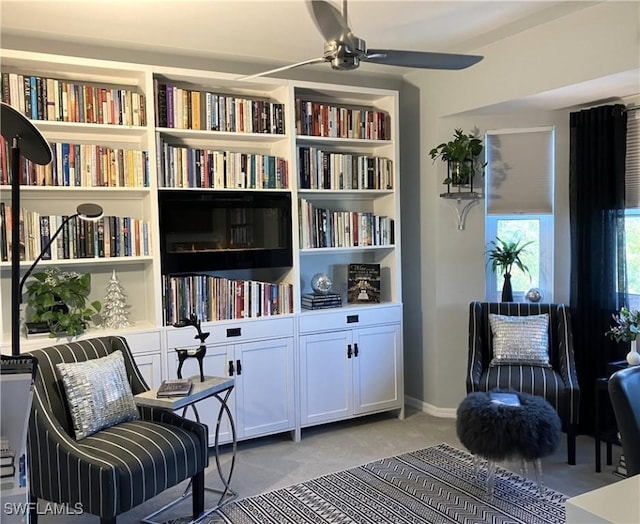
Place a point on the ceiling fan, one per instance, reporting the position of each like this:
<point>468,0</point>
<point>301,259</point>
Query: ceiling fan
<point>344,50</point>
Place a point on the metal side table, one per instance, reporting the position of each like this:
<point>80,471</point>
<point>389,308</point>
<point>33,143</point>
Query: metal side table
<point>220,388</point>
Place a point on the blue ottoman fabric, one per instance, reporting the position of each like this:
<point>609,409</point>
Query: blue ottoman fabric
<point>498,432</point>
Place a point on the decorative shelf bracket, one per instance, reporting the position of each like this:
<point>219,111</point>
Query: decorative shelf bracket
<point>462,210</point>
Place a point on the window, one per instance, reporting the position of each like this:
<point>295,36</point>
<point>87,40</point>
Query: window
<point>632,246</point>
<point>632,203</point>
<point>519,206</point>
<point>538,257</point>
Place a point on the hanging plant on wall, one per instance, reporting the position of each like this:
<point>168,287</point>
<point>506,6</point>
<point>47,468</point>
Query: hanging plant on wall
<point>463,155</point>
<point>502,256</point>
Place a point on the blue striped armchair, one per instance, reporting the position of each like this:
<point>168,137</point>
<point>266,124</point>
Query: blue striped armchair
<point>117,468</point>
<point>557,384</point>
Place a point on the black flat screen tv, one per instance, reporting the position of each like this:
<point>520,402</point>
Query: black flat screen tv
<point>205,230</point>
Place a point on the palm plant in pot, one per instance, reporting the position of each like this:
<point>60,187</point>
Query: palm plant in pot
<point>463,157</point>
<point>503,255</point>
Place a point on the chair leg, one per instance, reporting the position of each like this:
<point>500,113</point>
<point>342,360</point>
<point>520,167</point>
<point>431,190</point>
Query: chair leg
<point>197,494</point>
<point>571,444</point>
<point>33,509</point>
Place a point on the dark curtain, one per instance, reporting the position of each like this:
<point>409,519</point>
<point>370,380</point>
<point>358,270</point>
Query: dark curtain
<point>598,268</point>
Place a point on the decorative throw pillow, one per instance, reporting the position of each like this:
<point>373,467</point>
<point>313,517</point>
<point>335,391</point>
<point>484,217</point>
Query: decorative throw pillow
<point>98,393</point>
<point>520,340</point>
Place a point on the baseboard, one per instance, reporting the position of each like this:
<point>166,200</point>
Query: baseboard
<point>429,409</point>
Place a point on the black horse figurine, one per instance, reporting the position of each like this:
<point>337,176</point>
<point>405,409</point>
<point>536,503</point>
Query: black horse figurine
<point>199,352</point>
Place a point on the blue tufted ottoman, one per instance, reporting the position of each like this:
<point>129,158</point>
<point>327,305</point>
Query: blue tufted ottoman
<point>497,431</point>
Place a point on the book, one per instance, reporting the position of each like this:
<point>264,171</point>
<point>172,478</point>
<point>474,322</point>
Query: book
<point>179,387</point>
<point>504,399</point>
<point>7,457</point>
<point>7,471</point>
<point>363,283</point>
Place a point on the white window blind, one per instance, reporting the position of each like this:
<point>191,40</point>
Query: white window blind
<point>519,172</point>
<point>632,160</point>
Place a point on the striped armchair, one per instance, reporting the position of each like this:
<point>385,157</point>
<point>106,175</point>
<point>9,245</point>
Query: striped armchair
<point>558,384</point>
<point>116,468</point>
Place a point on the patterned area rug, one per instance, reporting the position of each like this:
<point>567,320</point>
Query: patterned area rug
<point>433,485</point>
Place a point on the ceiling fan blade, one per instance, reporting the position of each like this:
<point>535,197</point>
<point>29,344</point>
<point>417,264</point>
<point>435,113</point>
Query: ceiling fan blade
<point>328,19</point>
<point>284,68</point>
<point>420,59</point>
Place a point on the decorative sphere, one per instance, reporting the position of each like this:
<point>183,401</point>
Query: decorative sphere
<point>321,283</point>
<point>534,295</point>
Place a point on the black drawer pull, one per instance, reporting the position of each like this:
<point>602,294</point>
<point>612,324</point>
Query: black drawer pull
<point>231,369</point>
<point>349,351</point>
<point>352,319</point>
<point>239,367</point>
<point>233,332</point>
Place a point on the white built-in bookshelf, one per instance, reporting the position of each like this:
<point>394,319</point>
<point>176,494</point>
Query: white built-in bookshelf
<point>123,133</point>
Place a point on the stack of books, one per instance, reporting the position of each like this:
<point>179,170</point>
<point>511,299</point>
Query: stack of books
<point>7,458</point>
<point>179,387</point>
<point>313,301</point>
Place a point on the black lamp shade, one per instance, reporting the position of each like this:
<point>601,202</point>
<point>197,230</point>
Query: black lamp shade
<point>33,146</point>
<point>89,211</point>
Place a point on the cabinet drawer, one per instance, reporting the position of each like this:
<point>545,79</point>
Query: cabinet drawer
<point>144,341</point>
<point>232,332</point>
<point>349,318</point>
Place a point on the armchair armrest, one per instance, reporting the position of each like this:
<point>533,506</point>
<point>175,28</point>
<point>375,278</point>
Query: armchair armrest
<point>169,417</point>
<point>565,348</point>
<point>476,347</point>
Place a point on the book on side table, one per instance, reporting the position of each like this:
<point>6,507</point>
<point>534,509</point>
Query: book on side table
<point>179,387</point>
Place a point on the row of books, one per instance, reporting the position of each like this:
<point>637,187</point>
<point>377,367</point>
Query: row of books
<point>320,227</point>
<point>43,98</point>
<point>218,298</point>
<point>181,108</point>
<point>81,165</point>
<point>206,168</point>
<point>326,170</point>
<point>109,236</point>
<point>329,120</point>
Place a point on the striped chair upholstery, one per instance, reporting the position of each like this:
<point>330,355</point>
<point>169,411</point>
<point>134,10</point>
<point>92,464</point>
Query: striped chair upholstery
<point>558,384</point>
<point>116,468</point>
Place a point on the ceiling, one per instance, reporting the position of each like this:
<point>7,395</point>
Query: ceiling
<point>274,32</point>
<point>263,34</point>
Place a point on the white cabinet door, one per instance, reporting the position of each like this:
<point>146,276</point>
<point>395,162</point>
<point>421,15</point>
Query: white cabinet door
<point>215,364</point>
<point>264,387</point>
<point>150,366</point>
<point>325,377</point>
<point>377,368</point>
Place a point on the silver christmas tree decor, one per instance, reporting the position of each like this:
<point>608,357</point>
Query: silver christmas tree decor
<point>115,312</point>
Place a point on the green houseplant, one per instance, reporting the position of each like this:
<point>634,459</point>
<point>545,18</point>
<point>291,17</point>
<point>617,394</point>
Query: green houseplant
<point>463,156</point>
<point>627,329</point>
<point>60,299</point>
<point>503,255</point>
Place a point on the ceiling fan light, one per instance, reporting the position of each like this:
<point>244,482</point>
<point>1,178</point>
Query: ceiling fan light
<point>344,63</point>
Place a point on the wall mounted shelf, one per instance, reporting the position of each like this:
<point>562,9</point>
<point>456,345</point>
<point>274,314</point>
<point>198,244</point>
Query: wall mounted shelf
<point>463,202</point>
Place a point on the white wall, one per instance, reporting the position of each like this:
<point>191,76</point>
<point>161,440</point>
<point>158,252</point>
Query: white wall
<point>598,41</point>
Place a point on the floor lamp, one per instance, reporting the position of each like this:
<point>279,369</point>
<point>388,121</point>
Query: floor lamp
<point>26,141</point>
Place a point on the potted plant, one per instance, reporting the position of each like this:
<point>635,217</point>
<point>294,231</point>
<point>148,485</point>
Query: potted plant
<point>626,329</point>
<point>60,299</point>
<point>462,155</point>
<point>503,256</point>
